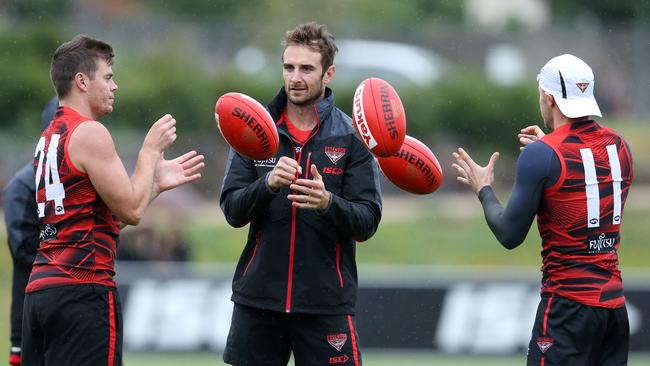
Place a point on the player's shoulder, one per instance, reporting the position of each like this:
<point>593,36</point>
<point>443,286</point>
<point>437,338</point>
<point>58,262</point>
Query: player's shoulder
<point>337,125</point>
<point>24,176</point>
<point>91,125</point>
<point>342,120</point>
<point>617,134</point>
<point>91,131</point>
<point>21,181</point>
<point>536,155</point>
<point>91,138</point>
<point>536,149</point>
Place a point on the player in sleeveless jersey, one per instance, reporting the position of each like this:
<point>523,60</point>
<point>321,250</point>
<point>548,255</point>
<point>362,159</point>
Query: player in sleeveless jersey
<point>83,196</point>
<point>575,180</point>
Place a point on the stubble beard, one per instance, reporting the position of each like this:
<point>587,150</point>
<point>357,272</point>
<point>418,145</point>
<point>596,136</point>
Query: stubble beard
<point>547,117</point>
<point>103,107</point>
<point>310,99</point>
<point>548,122</point>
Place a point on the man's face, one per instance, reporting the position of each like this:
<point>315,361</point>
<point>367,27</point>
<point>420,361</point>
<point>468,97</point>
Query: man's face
<point>545,109</point>
<point>101,89</point>
<point>304,80</point>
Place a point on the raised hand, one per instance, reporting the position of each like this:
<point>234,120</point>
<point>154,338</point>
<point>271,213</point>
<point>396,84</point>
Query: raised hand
<point>472,174</point>
<point>284,173</point>
<point>173,173</point>
<point>310,193</point>
<point>161,134</point>
<point>530,134</point>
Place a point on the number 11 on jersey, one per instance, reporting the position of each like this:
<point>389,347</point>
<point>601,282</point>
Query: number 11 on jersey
<point>54,190</point>
<point>592,191</point>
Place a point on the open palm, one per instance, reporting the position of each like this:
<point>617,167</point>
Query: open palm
<point>173,173</point>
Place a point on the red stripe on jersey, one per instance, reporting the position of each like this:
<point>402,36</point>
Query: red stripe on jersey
<point>579,217</point>
<point>353,337</point>
<point>112,331</point>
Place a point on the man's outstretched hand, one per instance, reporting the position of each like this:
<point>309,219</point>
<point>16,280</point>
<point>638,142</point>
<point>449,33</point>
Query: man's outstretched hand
<point>176,172</point>
<point>472,174</point>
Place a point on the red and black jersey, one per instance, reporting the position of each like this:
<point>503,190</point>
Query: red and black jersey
<point>579,217</point>
<point>78,234</point>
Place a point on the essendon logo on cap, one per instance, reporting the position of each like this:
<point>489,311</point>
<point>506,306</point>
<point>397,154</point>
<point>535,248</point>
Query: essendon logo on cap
<point>335,153</point>
<point>337,340</point>
<point>544,343</point>
<point>582,86</point>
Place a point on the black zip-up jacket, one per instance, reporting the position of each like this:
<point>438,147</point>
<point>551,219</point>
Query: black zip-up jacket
<point>21,219</point>
<point>23,233</point>
<point>296,260</point>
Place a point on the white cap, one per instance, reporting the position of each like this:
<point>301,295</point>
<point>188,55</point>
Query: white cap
<point>571,81</point>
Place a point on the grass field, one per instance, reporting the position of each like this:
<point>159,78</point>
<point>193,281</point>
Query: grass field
<point>444,229</point>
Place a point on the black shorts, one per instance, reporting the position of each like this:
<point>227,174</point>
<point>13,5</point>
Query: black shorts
<point>569,333</point>
<point>261,337</point>
<point>72,325</point>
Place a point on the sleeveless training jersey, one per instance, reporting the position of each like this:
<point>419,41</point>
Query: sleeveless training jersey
<point>579,217</point>
<point>78,232</point>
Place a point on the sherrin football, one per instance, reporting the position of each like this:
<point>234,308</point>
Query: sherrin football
<point>414,168</point>
<point>378,116</point>
<point>246,125</point>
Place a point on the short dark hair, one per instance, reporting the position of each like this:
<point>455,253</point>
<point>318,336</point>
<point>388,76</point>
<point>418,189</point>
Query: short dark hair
<point>77,55</point>
<point>315,36</point>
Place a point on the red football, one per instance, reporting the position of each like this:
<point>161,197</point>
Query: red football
<point>413,168</point>
<point>247,126</point>
<point>379,117</point>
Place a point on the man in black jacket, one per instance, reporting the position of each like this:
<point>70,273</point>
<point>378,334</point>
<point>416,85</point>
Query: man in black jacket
<point>21,220</point>
<point>295,285</point>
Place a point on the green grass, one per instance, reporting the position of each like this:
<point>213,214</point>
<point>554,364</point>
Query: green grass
<point>435,229</point>
<point>213,242</point>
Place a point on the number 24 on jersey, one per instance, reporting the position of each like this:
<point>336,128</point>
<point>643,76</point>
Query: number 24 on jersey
<point>54,190</point>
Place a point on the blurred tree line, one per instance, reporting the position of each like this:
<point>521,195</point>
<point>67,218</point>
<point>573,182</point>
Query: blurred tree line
<point>173,77</point>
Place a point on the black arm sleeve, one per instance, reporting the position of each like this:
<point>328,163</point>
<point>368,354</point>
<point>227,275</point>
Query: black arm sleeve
<point>244,195</point>
<point>537,167</point>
